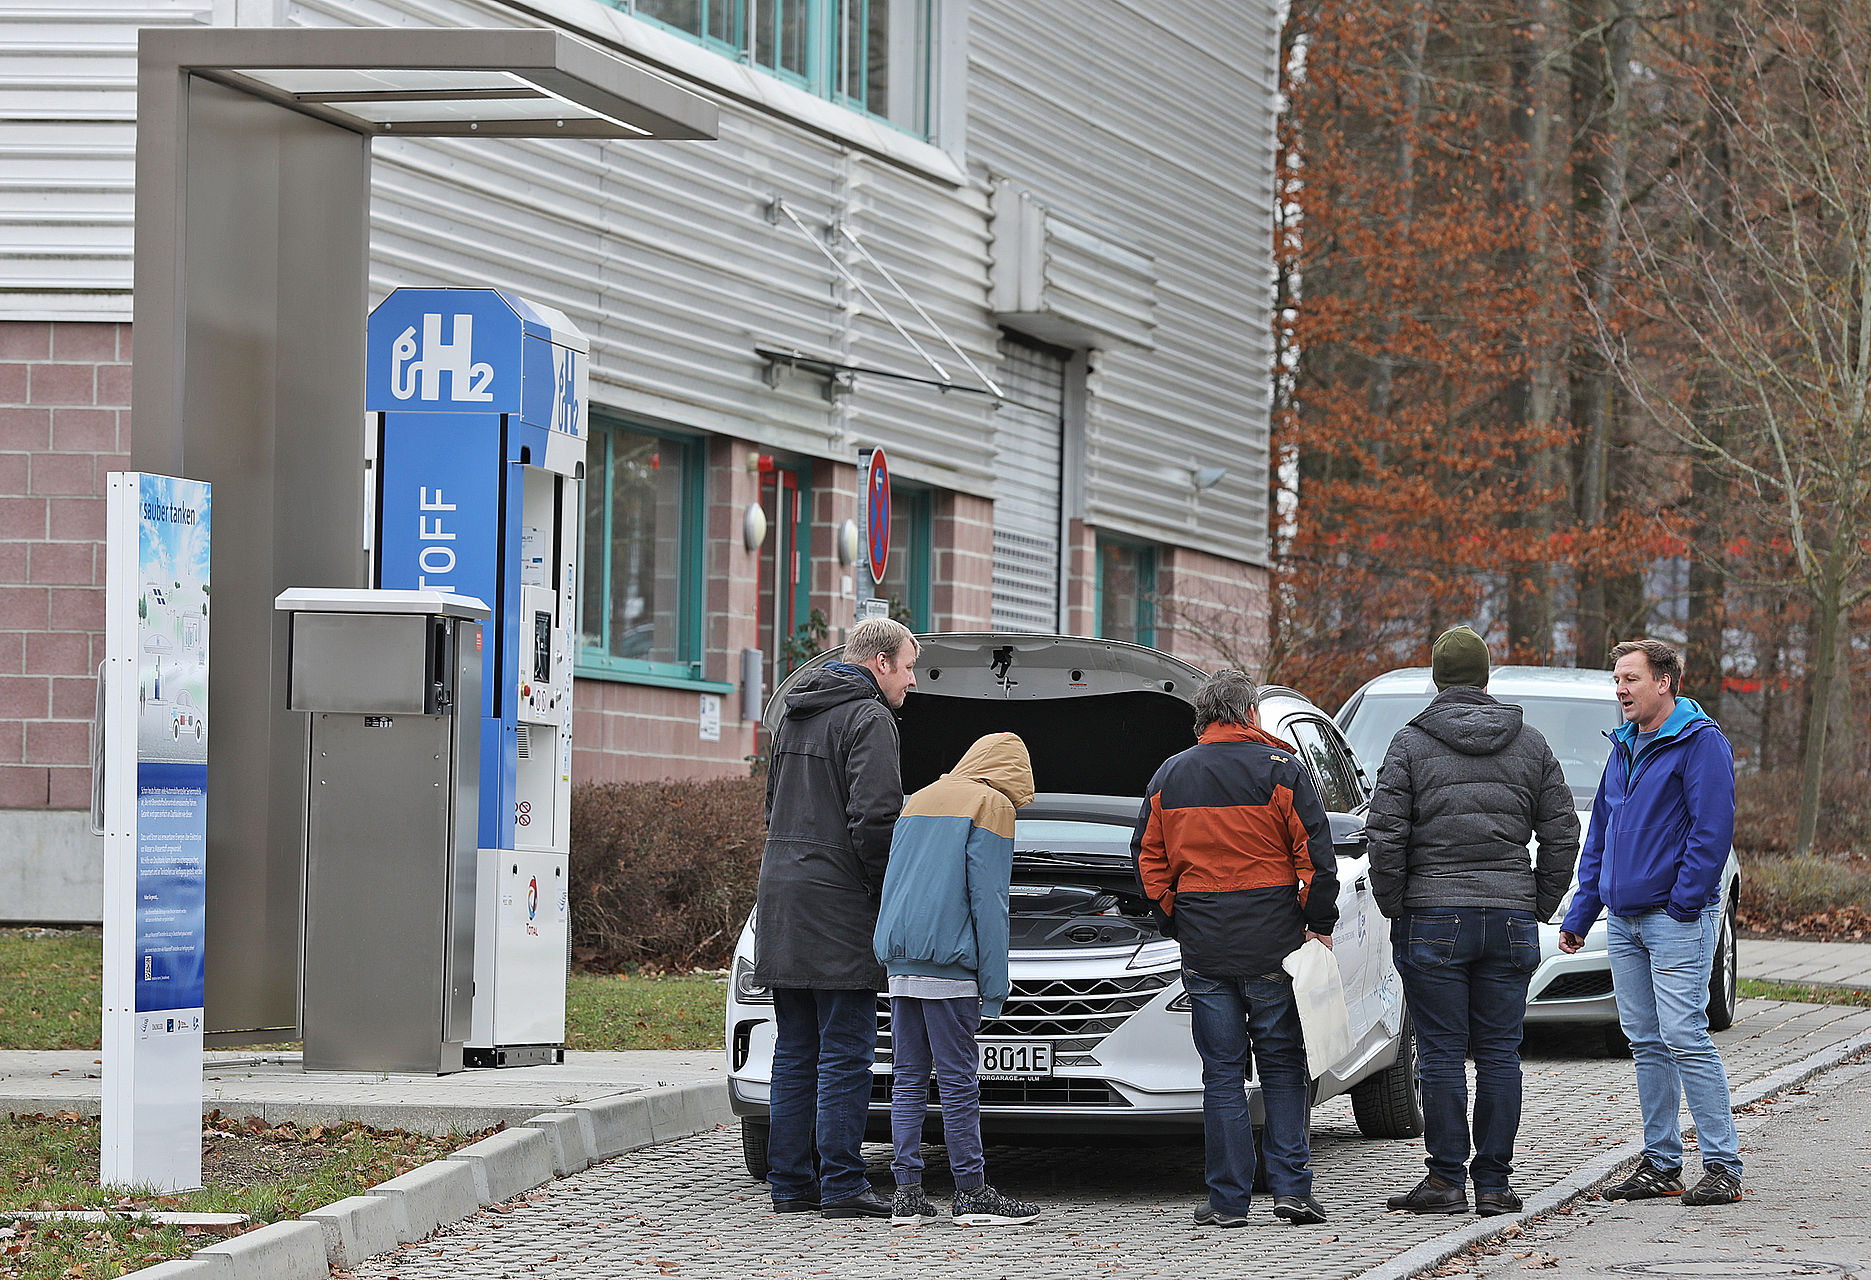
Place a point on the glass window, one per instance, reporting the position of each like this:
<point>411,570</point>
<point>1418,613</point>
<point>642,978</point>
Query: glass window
<point>1574,728</point>
<point>641,553</point>
<point>1338,789</point>
<point>906,574</point>
<point>869,55</point>
<point>1126,592</point>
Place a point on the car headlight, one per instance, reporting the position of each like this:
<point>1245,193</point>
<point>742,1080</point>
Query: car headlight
<point>1154,955</point>
<point>746,990</point>
<point>1181,1004</point>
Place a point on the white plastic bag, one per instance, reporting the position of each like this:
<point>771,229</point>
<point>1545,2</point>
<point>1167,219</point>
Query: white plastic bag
<point>1320,996</point>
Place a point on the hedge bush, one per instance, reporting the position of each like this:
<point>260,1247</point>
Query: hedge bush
<point>663,873</point>
<point>1767,813</point>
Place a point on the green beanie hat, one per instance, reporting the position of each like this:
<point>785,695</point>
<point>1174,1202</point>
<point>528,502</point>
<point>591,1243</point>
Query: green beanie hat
<point>1459,657</point>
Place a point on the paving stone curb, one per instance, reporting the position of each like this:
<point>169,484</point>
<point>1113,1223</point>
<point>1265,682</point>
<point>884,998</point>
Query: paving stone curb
<point>1433,1253</point>
<point>409,1207</point>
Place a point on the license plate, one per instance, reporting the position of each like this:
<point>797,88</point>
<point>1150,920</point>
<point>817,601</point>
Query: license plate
<point>1013,1059</point>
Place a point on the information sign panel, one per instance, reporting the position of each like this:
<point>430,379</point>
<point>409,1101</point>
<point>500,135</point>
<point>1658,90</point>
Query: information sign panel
<point>155,811</point>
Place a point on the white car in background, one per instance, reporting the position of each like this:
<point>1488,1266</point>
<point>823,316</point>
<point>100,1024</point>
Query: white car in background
<point>1094,1038</point>
<point>1574,710</point>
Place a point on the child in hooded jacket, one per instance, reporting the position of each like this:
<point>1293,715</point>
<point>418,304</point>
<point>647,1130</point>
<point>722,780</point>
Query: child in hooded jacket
<point>942,936</point>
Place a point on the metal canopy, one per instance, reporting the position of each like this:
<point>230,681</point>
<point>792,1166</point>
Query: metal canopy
<point>252,261</point>
<point>525,83</point>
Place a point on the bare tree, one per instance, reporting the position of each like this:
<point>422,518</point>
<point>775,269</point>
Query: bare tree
<point>1763,266</point>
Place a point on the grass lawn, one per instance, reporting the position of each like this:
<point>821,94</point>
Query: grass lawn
<point>267,1174</point>
<point>1801,993</point>
<point>49,983</point>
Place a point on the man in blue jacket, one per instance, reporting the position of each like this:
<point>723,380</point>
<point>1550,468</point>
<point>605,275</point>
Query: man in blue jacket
<point>1661,829</point>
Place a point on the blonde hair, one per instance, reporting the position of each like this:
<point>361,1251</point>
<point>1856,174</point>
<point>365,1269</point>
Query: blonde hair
<point>876,637</point>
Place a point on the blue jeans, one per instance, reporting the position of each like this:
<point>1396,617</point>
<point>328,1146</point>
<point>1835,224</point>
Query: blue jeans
<point>1231,1017</point>
<point>824,1043</point>
<point>1660,971</point>
<point>938,1034</point>
<point>1465,972</point>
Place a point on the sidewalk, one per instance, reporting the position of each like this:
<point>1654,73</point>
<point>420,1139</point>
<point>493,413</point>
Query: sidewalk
<point>1829,964</point>
<point>275,1088</point>
<point>1805,1213</point>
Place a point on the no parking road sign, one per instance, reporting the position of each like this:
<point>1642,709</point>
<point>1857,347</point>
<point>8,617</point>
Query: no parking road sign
<point>877,512</point>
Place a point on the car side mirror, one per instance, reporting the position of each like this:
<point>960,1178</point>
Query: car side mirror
<point>1347,834</point>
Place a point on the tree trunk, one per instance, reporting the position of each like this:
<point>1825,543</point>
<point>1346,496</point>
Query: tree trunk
<point>1825,648</point>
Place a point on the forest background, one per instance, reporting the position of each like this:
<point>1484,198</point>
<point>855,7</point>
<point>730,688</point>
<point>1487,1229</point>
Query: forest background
<point>1574,335</point>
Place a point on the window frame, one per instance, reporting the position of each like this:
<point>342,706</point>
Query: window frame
<point>595,663</point>
<point>1145,621</point>
<point>920,515</point>
<point>825,76</point>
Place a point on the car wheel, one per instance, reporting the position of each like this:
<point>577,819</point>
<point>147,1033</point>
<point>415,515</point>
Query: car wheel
<point>1724,973</point>
<point>1390,1103</point>
<point>754,1148</point>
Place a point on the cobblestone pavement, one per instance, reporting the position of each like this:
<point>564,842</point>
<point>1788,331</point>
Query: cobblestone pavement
<point>688,1209</point>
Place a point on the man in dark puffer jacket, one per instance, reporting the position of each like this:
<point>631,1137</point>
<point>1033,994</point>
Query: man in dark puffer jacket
<point>1463,789</point>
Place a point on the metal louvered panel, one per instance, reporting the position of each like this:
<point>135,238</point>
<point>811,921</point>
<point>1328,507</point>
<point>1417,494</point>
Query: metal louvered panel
<point>1177,102</point>
<point>663,254</point>
<point>1026,488</point>
<point>68,154</point>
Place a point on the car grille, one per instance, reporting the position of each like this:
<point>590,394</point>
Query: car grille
<point>1076,1014</point>
<point>1577,986</point>
<point>1056,1091</point>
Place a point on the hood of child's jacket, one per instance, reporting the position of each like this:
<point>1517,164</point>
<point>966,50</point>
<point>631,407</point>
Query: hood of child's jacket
<point>1470,721</point>
<point>1000,760</point>
<point>831,685</point>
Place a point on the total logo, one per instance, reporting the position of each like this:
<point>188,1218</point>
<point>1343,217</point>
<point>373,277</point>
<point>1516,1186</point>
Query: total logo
<point>532,906</point>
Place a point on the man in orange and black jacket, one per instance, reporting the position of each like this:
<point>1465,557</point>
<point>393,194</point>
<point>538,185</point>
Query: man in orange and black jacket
<point>1233,847</point>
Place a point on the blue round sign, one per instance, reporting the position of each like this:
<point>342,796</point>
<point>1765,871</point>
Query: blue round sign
<point>877,513</point>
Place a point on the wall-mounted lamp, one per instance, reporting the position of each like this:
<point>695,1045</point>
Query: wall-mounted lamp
<point>849,543</point>
<point>1207,477</point>
<point>753,527</point>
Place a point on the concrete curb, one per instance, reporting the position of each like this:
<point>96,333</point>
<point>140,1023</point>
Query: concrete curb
<point>280,1251</point>
<point>507,1164</point>
<point>1433,1253</point>
<point>443,1192</point>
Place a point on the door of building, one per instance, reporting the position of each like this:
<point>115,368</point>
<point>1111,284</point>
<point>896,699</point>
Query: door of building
<point>1028,480</point>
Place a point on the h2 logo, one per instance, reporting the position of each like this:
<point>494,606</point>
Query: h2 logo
<point>567,412</point>
<point>467,380</point>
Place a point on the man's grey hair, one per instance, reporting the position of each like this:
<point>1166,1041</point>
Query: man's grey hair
<point>1227,697</point>
<point>877,636</point>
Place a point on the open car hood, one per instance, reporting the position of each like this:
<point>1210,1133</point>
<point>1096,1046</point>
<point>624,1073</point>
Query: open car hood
<point>1097,716</point>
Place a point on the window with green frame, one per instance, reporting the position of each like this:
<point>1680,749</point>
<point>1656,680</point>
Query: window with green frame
<point>1126,591</point>
<point>870,55</point>
<point>906,573</point>
<point>641,597</point>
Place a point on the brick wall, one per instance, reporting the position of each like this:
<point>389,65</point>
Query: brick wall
<point>835,499</point>
<point>64,425</point>
<point>1081,579</point>
<point>1210,611</point>
<point>961,570</point>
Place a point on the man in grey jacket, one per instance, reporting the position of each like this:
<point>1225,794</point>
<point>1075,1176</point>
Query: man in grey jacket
<point>1463,789</point>
<point>834,790</point>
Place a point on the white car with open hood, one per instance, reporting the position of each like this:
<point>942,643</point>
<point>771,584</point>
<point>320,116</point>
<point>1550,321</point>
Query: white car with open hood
<point>1094,1038</point>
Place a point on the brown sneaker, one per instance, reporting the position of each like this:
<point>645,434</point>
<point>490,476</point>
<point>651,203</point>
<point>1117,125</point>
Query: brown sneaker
<point>1718,1186</point>
<point>1647,1182</point>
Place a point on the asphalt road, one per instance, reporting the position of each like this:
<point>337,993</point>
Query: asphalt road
<point>689,1208</point>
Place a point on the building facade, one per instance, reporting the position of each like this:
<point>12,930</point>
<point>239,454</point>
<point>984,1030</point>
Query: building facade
<point>1067,204</point>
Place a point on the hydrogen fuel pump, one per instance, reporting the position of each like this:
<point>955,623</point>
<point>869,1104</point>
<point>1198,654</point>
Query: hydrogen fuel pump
<point>477,399</point>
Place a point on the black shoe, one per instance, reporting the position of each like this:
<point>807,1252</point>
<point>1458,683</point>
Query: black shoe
<point>910,1207</point>
<point>795,1206</point>
<point>1432,1195</point>
<point>865,1204</point>
<point>1647,1182</point>
<point>1207,1215</point>
<point>1301,1211</point>
<point>1489,1204</point>
<point>983,1206</point>
<point>1718,1186</point>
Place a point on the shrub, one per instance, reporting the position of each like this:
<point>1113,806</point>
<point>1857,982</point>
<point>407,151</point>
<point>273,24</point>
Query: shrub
<point>1819,895</point>
<point>663,873</point>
